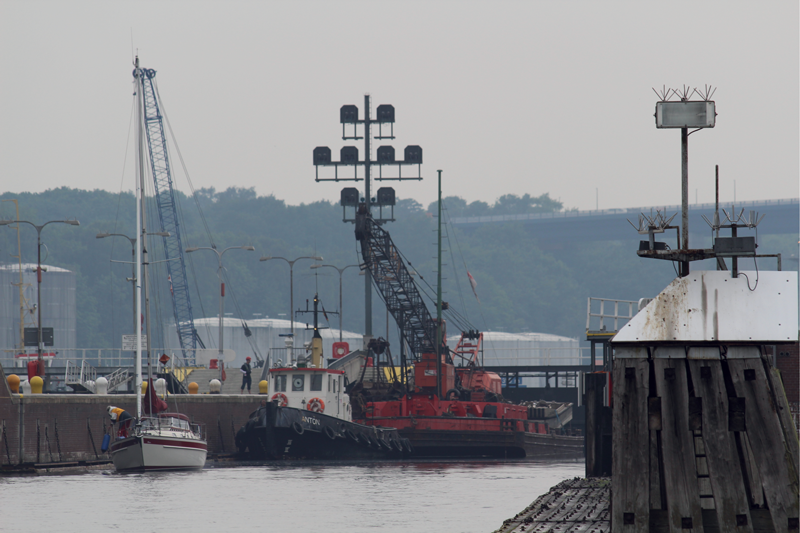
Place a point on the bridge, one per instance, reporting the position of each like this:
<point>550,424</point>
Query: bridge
<point>783,217</point>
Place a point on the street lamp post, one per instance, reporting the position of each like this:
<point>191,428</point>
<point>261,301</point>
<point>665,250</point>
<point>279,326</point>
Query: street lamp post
<point>39,269</point>
<point>291,280</point>
<point>341,271</point>
<point>221,284</point>
<point>133,264</point>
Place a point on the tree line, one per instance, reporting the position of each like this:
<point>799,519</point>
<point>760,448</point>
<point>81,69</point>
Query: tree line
<point>522,283</point>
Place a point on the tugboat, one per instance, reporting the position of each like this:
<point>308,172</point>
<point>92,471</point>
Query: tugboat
<point>309,416</point>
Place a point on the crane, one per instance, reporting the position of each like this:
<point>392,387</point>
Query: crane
<point>167,212</point>
<point>395,285</point>
<point>418,327</point>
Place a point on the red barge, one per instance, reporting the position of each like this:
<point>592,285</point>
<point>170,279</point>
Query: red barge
<point>470,420</point>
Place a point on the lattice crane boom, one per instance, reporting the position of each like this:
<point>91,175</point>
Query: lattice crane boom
<point>167,211</point>
<point>395,285</point>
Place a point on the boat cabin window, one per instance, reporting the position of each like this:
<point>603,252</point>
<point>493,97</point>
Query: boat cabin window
<point>280,383</point>
<point>316,382</point>
<point>298,382</point>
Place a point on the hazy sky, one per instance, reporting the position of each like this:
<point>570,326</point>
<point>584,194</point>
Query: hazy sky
<point>505,97</point>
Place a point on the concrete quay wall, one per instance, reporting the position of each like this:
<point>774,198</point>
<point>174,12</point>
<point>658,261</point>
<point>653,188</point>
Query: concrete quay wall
<point>55,428</point>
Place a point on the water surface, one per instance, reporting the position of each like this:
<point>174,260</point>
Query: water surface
<point>334,497</point>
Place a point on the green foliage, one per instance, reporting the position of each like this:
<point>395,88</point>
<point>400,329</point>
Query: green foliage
<point>508,204</point>
<point>523,284</point>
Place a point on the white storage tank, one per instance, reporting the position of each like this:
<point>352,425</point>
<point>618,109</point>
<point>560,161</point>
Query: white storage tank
<point>266,336</point>
<point>58,306</point>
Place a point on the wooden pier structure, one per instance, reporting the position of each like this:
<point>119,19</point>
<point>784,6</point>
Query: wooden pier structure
<point>703,438</point>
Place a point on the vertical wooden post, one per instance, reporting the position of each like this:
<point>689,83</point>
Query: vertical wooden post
<point>680,471</point>
<point>767,441</point>
<point>725,473</point>
<point>631,458</point>
<point>595,384</point>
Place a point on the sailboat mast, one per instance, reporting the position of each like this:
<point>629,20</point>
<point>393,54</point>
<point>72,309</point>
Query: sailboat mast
<point>439,296</point>
<point>146,280</point>
<point>139,181</point>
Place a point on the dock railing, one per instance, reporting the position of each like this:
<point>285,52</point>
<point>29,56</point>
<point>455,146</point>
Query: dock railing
<point>606,314</point>
<point>96,357</point>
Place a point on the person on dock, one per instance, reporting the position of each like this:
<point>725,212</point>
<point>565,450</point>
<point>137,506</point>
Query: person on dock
<point>122,417</point>
<point>246,371</point>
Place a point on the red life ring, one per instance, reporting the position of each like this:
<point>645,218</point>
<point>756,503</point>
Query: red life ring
<point>281,397</point>
<point>315,405</point>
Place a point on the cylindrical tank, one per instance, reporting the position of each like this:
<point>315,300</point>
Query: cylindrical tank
<point>58,304</point>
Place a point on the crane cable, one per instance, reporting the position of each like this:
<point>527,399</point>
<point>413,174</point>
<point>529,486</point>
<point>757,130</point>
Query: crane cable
<point>480,305</point>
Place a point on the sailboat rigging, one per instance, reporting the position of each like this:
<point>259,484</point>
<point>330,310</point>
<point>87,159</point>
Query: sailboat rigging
<point>157,440</point>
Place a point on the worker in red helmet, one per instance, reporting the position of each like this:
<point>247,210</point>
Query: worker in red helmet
<point>246,371</point>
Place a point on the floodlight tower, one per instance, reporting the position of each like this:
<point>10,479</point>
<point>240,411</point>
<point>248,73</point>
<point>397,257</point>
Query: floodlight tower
<point>348,156</point>
<point>684,113</point>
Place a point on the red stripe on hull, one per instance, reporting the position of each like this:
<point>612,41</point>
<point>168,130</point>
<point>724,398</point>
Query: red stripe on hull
<point>176,443</point>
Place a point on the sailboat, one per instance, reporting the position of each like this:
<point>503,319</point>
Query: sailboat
<point>156,440</point>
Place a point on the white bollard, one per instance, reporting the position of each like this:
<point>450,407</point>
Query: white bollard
<point>214,386</point>
<point>101,386</point>
<point>25,387</point>
<point>161,387</point>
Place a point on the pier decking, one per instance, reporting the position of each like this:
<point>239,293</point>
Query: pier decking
<point>572,506</point>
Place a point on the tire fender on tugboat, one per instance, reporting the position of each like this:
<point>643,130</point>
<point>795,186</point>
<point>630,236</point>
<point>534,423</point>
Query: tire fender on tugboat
<point>330,432</point>
<point>298,428</point>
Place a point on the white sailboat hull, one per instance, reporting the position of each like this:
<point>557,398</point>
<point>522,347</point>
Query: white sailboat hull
<point>144,453</point>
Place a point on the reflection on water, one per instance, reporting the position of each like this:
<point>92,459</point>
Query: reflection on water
<point>335,497</point>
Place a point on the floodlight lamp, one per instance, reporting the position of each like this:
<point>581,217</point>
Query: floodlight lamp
<point>386,113</point>
<point>193,249</point>
<point>386,196</point>
<point>686,114</point>
<point>322,155</point>
<point>386,154</point>
<point>6,222</point>
<point>249,248</point>
<point>348,155</point>
<point>101,236</point>
<point>413,154</point>
<point>348,114</point>
<point>349,197</point>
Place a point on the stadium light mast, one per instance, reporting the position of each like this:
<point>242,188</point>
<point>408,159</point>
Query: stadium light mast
<point>348,156</point>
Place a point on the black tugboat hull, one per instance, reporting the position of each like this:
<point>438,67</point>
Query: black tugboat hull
<point>274,432</point>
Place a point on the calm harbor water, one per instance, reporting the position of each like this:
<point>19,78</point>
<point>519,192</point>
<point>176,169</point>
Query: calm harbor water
<point>334,497</point>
